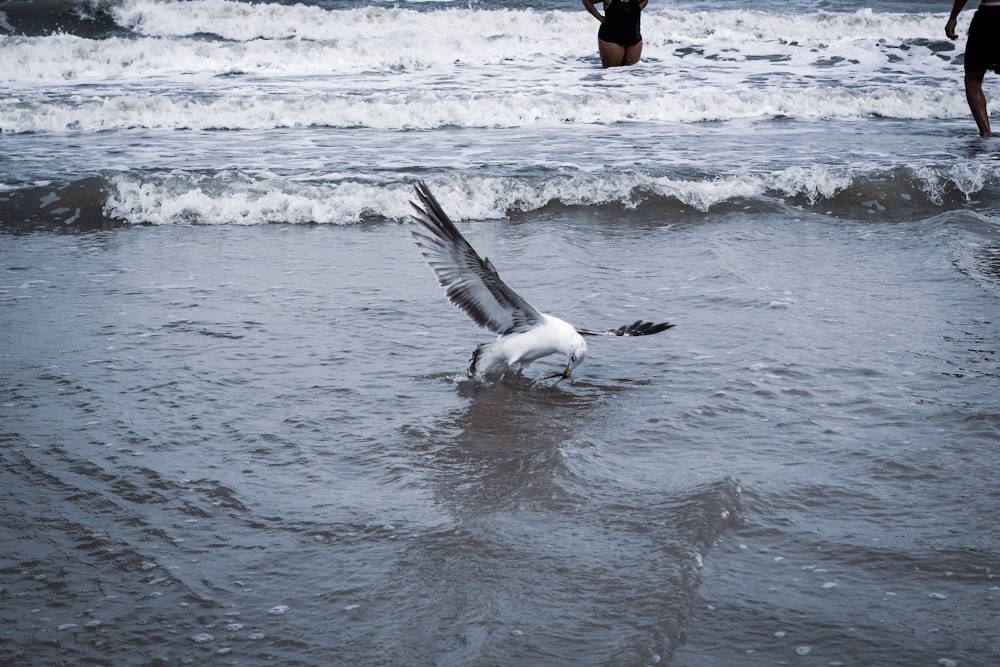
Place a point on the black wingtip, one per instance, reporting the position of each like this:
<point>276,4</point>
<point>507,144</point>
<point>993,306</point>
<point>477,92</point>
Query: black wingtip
<point>428,209</point>
<point>642,328</point>
<point>423,192</point>
<point>637,328</point>
<point>424,196</point>
<point>427,198</point>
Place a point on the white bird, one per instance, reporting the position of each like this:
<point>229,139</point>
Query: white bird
<point>524,333</point>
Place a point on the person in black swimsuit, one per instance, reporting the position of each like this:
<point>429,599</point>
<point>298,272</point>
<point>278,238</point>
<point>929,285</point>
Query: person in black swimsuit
<point>982,53</point>
<point>618,40</point>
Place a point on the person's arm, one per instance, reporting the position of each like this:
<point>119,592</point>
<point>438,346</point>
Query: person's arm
<point>949,27</point>
<point>596,14</point>
<point>643,3</point>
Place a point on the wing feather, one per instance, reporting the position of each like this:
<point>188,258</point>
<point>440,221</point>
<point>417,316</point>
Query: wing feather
<point>471,282</point>
<point>637,328</point>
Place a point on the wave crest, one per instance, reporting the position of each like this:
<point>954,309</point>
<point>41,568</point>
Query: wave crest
<point>233,197</point>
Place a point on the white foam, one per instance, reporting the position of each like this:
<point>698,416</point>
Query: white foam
<point>231,197</point>
<point>278,39</point>
<point>231,200</point>
<point>435,109</point>
<point>246,21</point>
<point>298,66</point>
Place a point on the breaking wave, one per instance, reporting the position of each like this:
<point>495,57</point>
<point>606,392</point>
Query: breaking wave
<point>239,198</point>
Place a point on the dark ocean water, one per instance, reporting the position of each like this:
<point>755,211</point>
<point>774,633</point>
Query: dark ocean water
<point>234,420</point>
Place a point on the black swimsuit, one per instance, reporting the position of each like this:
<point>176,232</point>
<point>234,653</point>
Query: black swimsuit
<point>621,23</point>
<point>982,50</point>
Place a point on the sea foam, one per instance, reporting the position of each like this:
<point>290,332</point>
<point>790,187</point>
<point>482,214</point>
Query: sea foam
<point>432,109</point>
<point>216,64</point>
<point>241,198</point>
<point>214,37</point>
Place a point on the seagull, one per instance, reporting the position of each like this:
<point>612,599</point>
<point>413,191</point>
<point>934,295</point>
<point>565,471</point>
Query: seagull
<point>472,283</point>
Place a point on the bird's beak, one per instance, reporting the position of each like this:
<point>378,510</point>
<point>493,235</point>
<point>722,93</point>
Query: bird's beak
<point>562,376</point>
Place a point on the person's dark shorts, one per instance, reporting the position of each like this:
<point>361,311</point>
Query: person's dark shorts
<point>982,50</point>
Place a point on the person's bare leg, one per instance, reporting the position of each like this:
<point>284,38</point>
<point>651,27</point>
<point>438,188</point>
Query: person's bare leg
<point>633,53</point>
<point>977,101</point>
<point>612,55</point>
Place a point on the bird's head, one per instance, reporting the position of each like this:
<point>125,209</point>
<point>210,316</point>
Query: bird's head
<point>577,353</point>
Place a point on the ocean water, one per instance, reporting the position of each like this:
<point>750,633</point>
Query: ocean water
<point>235,425</point>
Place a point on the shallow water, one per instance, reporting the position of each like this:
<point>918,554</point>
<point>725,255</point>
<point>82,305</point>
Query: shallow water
<point>205,426</point>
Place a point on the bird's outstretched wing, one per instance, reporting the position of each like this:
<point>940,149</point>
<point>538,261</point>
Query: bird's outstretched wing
<point>471,281</point>
<point>637,328</point>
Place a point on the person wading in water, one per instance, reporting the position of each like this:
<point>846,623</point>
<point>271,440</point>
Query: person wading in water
<point>982,53</point>
<point>618,40</point>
